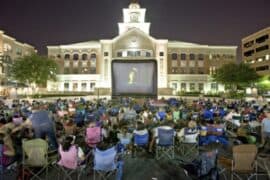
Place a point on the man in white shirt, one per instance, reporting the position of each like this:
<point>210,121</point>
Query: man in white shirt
<point>266,127</point>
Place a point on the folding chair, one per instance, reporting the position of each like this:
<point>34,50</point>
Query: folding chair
<point>244,160</point>
<point>35,155</point>
<point>5,168</point>
<point>189,146</point>
<point>105,163</point>
<point>68,163</point>
<point>93,136</point>
<point>140,141</point>
<point>243,163</point>
<point>165,143</point>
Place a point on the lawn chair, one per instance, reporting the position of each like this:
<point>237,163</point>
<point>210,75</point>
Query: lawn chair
<point>165,143</point>
<point>188,146</point>
<point>35,157</point>
<point>93,136</point>
<point>68,163</point>
<point>140,141</point>
<point>243,163</point>
<point>105,163</point>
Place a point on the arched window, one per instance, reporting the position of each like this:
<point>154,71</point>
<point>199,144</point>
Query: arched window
<point>67,57</point>
<point>174,56</point>
<point>75,56</point>
<point>84,57</point>
<point>93,56</point>
<point>192,57</point>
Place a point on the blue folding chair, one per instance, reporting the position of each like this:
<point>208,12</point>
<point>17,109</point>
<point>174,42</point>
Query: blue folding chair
<point>140,141</point>
<point>105,163</point>
<point>165,143</point>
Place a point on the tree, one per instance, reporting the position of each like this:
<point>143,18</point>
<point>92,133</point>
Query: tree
<point>234,75</point>
<point>34,69</point>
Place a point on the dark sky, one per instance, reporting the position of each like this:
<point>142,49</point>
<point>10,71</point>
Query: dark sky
<point>53,22</point>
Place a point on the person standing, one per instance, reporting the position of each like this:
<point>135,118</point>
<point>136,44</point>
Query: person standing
<point>266,127</point>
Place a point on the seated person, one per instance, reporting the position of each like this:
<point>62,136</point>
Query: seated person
<point>189,134</point>
<point>71,154</point>
<point>70,127</point>
<point>244,133</point>
<point>7,145</point>
<point>124,138</point>
<point>216,133</point>
<point>167,125</point>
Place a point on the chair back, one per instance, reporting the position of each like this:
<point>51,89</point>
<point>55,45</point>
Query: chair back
<point>69,159</point>
<point>35,152</point>
<point>125,140</point>
<point>244,157</point>
<point>105,160</point>
<point>93,136</point>
<point>165,137</point>
<point>141,140</point>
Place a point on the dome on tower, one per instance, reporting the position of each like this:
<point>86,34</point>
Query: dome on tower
<point>134,5</point>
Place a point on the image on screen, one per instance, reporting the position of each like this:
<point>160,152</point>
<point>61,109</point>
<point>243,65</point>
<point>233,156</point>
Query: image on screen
<point>134,77</point>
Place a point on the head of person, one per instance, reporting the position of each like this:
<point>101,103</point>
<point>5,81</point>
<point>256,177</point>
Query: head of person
<point>192,124</point>
<point>68,142</point>
<point>140,125</point>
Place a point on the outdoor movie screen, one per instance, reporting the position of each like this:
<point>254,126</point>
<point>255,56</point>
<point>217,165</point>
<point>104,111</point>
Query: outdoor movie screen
<point>134,77</point>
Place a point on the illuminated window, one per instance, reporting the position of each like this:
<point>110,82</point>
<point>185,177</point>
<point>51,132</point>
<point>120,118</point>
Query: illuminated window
<point>75,87</point>
<point>267,57</point>
<point>7,47</point>
<point>183,86</point>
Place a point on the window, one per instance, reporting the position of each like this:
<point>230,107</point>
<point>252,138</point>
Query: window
<point>192,86</point>
<point>201,87</point>
<point>84,57</point>
<point>75,87</point>
<point>138,53</point>
<point>183,56</point>
<point>148,54</point>
<point>106,53</point>
<point>161,66</point>
<point>248,53</point>
<point>161,53</point>
<point>201,57</point>
<point>191,71</point>
<point>75,57</point>
<point>66,86</point>
<point>58,56</point>
<point>200,71</point>
<point>262,38</point>
<point>248,44</point>
<point>67,57</point>
<point>183,86</point>
<point>262,48</point>
<point>84,86</point>
<point>262,68</point>
<point>131,53</point>
<point>214,86</point>
<point>19,52</point>
<point>93,56</point>
<point>192,56</point>
<point>92,86</point>
<point>119,54</point>
<point>174,56</point>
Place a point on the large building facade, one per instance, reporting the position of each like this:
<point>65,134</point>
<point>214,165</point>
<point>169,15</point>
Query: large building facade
<point>256,51</point>
<point>181,66</point>
<point>10,50</point>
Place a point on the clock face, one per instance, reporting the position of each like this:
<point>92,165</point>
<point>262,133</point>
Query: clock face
<point>134,17</point>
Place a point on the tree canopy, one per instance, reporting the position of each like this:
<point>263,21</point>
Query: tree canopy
<point>236,75</point>
<point>34,69</point>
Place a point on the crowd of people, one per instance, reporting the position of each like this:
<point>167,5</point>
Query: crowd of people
<point>69,126</point>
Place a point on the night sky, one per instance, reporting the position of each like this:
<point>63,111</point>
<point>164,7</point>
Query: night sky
<point>54,22</point>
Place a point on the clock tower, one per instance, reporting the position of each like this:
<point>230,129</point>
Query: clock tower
<point>134,17</point>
